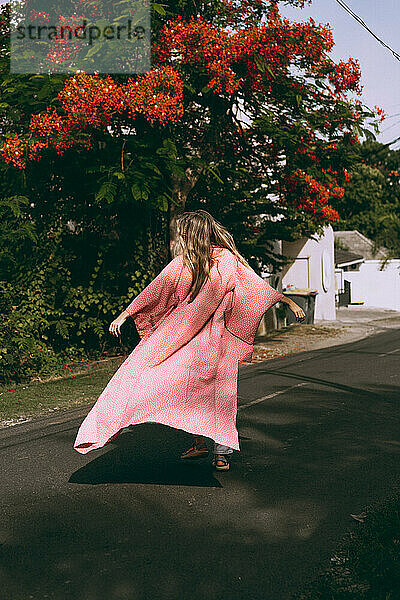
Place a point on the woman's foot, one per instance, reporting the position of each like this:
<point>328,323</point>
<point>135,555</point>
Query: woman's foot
<point>197,450</point>
<point>221,462</point>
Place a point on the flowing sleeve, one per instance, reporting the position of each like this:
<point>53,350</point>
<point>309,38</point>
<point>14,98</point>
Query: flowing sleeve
<point>272,295</point>
<point>253,297</point>
<point>156,299</point>
<point>190,318</point>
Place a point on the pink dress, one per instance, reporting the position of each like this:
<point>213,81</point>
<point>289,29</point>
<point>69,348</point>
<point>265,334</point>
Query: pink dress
<point>183,372</point>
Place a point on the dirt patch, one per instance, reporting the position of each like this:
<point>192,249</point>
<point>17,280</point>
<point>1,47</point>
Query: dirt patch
<point>312,329</point>
<point>301,338</point>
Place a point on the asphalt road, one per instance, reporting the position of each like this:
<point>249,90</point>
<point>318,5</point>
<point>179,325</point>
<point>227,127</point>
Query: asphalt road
<point>320,439</point>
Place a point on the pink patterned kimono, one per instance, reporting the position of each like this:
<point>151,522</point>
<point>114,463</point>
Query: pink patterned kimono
<point>183,372</point>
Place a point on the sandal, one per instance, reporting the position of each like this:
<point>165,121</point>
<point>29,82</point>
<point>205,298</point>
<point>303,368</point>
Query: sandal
<point>220,458</point>
<point>196,451</point>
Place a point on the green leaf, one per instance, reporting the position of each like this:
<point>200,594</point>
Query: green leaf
<point>376,128</point>
<point>136,191</point>
<point>369,135</point>
<point>357,129</point>
<point>107,192</point>
<point>44,91</point>
<point>270,71</point>
<point>260,63</point>
<point>170,146</point>
<point>159,8</point>
<point>93,50</point>
<point>215,175</point>
<point>164,205</point>
<point>189,87</point>
<point>176,170</point>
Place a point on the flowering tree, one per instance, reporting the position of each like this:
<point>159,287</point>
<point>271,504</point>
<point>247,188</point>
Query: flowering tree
<point>243,113</point>
<point>234,88</point>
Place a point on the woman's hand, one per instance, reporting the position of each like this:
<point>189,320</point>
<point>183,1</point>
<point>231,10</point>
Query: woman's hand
<point>298,311</point>
<point>115,326</point>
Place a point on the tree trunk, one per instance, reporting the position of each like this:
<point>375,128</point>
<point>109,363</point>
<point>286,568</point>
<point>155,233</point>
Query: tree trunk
<point>175,209</point>
<point>180,190</point>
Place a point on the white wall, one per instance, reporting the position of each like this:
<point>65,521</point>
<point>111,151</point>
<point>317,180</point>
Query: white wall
<point>375,288</point>
<point>306,270</point>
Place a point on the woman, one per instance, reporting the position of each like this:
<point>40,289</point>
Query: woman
<point>197,319</point>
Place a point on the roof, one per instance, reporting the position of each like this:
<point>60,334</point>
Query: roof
<point>359,244</point>
<point>344,257</point>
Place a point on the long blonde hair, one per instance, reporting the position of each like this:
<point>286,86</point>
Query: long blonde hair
<point>197,231</point>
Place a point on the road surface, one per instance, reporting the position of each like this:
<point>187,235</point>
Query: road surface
<point>320,439</point>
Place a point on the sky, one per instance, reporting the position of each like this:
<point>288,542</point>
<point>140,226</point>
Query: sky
<point>380,69</point>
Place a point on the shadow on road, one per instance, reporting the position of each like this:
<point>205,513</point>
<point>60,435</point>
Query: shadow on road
<point>135,522</point>
<point>138,459</point>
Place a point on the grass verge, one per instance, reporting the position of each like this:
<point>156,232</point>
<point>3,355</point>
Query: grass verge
<point>38,398</point>
<point>22,401</point>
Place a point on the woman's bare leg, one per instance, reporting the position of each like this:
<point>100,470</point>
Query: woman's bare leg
<point>221,449</point>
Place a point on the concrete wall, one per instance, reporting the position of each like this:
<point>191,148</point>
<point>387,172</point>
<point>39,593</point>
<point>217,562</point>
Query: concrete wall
<point>375,288</point>
<point>312,258</point>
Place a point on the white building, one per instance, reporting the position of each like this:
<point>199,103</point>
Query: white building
<point>364,276</point>
<point>350,274</point>
<point>310,270</point>
<point>312,267</point>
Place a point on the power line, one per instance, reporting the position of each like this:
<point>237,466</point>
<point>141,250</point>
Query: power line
<point>395,141</point>
<point>363,24</point>
<point>390,126</point>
